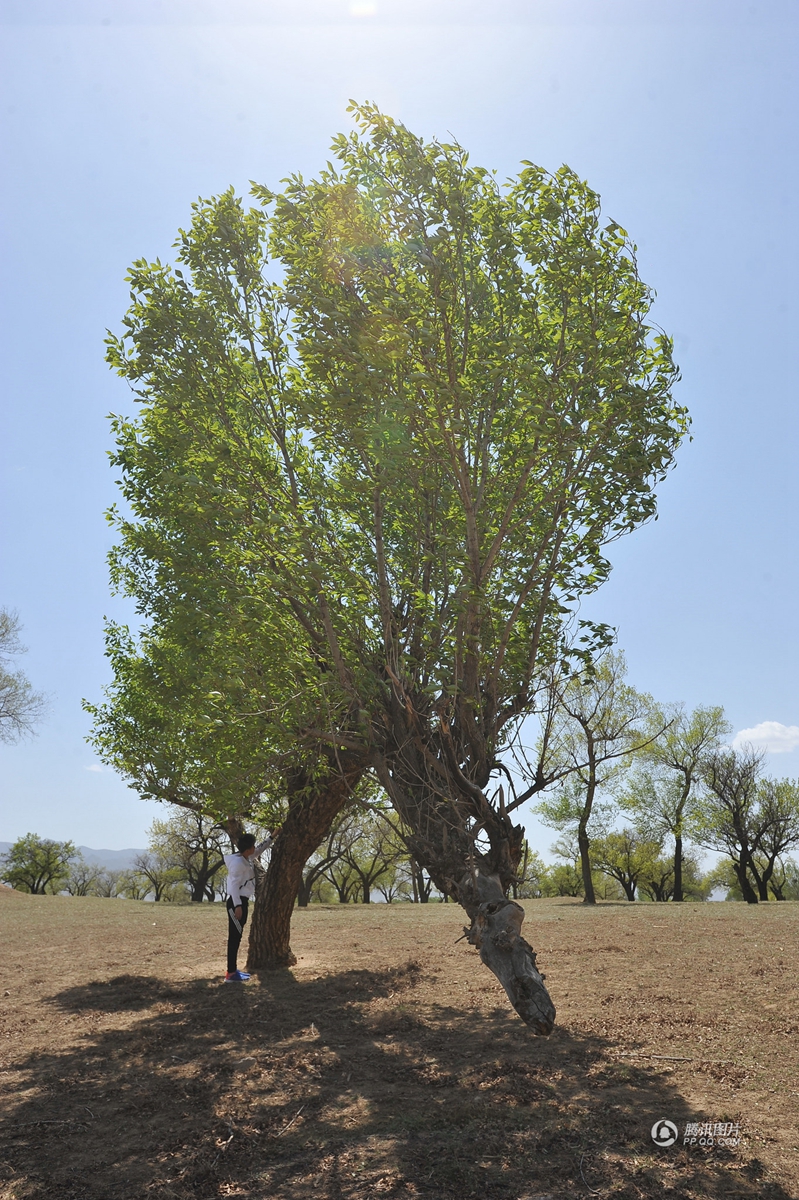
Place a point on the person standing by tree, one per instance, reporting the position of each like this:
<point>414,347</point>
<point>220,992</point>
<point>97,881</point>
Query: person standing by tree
<point>240,891</point>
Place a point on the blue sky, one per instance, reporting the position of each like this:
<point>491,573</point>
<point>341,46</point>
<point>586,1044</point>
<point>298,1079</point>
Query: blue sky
<point>117,114</point>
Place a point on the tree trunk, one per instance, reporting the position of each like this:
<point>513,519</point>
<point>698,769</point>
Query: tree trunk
<point>496,932</point>
<point>442,844</point>
<point>747,891</point>
<point>584,843</point>
<point>312,810</point>
<point>677,892</point>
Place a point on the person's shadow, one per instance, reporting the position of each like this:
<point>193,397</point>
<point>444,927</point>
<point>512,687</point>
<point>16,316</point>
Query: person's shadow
<point>337,1087</point>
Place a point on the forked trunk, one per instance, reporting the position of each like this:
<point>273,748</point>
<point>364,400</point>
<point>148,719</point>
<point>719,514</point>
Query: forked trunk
<point>312,810</point>
<point>443,842</point>
<point>747,891</point>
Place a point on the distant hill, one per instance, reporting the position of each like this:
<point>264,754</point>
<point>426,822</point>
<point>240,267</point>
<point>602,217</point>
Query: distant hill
<point>113,860</point>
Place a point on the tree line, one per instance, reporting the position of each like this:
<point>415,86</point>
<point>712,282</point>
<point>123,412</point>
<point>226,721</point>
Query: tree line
<point>673,774</point>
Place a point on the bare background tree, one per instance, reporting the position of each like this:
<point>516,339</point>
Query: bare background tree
<point>21,707</point>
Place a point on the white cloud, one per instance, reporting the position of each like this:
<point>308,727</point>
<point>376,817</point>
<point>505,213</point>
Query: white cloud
<point>769,735</point>
<point>97,767</point>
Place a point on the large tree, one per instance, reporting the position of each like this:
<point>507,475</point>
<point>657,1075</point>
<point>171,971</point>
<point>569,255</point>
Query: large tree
<point>390,419</point>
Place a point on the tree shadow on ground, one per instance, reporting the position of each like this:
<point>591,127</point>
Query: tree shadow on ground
<point>345,1087</point>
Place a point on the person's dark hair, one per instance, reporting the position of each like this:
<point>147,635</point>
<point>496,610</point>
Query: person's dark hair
<point>246,841</point>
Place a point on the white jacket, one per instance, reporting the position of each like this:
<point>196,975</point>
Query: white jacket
<point>241,873</point>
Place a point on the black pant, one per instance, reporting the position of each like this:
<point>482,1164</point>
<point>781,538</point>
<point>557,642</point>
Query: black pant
<point>235,929</point>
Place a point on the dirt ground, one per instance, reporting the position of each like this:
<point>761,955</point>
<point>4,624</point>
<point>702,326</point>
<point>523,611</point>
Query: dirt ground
<point>388,1064</point>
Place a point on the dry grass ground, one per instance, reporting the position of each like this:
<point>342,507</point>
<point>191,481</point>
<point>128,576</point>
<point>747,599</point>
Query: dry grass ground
<point>388,1063</point>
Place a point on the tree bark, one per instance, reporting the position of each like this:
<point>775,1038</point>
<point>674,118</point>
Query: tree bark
<point>442,843</point>
<point>313,807</point>
<point>584,843</point>
<point>747,891</point>
<point>677,892</point>
<point>496,932</point>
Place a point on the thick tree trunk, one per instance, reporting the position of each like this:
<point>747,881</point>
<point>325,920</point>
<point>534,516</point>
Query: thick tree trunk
<point>747,891</point>
<point>443,844</point>
<point>312,810</point>
<point>496,931</point>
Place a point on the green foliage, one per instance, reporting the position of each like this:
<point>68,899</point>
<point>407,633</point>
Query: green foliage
<point>390,418</point>
<point>37,865</point>
<point>562,879</point>
<point>626,857</point>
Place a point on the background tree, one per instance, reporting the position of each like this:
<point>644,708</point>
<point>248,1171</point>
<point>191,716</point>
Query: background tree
<point>82,878</point>
<point>625,856</point>
<point>662,796</point>
<point>194,847</point>
<point>529,883</point>
<point>421,882</point>
<point>752,820</point>
<point>599,722</point>
<point>331,851</point>
<point>37,865</point>
<point>395,883</point>
<point>776,830</point>
<point>723,877</point>
<point>340,872</point>
<point>391,417</point>
<point>164,879</point>
<point>376,848</point>
<point>784,882</point>
<point>20,706</point>
<point>133,885</point>
<point>564,878</point>
<point>110,884</point>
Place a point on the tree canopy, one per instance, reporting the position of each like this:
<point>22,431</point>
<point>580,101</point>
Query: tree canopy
<point>390,419</point>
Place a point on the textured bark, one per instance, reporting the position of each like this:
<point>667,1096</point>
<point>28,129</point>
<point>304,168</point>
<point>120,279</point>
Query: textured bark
<point>443,841</point>
<point>496,932</point>
<point>313,807</point>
